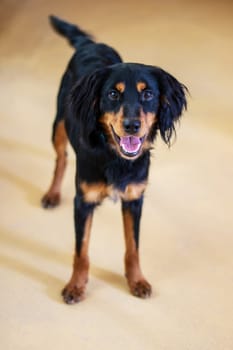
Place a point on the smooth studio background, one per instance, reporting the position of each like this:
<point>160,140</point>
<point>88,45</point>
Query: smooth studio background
<point>187,225</point>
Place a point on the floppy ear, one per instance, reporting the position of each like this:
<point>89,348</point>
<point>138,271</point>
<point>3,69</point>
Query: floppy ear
<point>172,103</point>
<point>84,103</point>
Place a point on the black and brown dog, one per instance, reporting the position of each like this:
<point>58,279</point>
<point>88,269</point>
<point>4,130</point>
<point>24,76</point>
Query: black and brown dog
<point>111,112</point>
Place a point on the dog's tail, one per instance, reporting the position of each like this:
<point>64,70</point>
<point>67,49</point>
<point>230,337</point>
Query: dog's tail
<point>70,31</point>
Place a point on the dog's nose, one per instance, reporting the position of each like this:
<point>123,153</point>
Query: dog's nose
<point>131,126</point>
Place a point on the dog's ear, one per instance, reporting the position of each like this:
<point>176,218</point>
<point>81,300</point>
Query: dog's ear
<point>172,103</point>
<point>84,103</point>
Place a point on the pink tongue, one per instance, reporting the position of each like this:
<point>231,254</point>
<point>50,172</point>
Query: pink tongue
<point>130,144</point>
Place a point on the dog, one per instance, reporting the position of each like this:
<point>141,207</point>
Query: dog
<point>111,113</point>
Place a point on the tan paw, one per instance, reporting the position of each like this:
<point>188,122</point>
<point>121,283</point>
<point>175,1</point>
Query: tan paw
<point>141,289</point>
<point>73,294</point>
<point>50,200</point>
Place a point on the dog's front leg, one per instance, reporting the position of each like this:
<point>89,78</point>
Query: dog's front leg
<point>75,289</point>
<point>138,285</point>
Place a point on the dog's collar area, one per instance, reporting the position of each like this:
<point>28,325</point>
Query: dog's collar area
<point>130,145</point>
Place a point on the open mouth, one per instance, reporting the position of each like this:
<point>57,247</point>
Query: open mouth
<point>130,145</point>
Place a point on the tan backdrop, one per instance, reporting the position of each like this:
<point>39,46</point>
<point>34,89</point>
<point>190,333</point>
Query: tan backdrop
<point>187,225</point>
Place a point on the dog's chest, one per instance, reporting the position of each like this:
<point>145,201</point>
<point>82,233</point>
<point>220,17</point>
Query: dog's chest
<point>96,192</point>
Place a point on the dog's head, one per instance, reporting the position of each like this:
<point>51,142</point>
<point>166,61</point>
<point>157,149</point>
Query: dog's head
<point>128,103</point>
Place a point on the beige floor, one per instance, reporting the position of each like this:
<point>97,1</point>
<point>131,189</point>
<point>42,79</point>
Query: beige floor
<point>187,226</point>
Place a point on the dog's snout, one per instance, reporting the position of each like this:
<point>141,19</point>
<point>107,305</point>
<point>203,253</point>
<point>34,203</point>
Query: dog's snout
<point>131,126</point>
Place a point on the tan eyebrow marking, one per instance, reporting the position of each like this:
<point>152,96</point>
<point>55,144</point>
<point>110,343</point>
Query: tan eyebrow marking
<point>141,86</point>
<point>120,87</point>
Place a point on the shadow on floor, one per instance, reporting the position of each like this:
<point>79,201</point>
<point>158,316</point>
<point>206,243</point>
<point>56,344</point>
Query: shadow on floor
<point>40,250</point>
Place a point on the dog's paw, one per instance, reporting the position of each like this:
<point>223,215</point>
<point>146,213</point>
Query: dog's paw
<point>74,294</point>
<point>141,289</point>
<point>50,200</point>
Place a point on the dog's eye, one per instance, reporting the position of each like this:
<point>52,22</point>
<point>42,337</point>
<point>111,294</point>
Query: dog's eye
<point>114,95</point>
<point>147,95</point>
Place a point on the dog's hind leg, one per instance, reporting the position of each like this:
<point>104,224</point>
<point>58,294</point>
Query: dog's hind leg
<point>53,195</point>
<point>60,140</point>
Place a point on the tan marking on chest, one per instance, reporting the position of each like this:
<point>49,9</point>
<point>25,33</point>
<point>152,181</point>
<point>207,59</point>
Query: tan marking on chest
<point>133,191</point>
<point>95,193</point>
